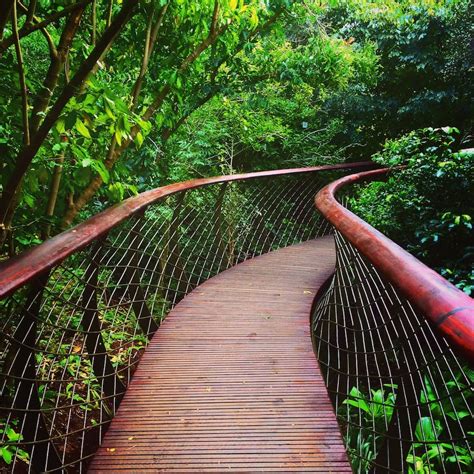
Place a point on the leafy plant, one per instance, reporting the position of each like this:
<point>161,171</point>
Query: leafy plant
<point>10,449</point>
<point>426,206</point>
<point>368,417</point>
<point>424,76</point>
<point>430,455</point>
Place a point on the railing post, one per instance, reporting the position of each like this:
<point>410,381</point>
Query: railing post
<point>43,453</point>
<point>173,260</point>
<point>134,286</point>
<point>108,379</point>
<point>221,245</point>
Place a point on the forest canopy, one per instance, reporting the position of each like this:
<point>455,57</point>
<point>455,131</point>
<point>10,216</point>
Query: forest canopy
<point>103,99</point>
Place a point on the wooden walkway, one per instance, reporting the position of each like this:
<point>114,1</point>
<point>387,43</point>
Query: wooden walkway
<point>230,383</point>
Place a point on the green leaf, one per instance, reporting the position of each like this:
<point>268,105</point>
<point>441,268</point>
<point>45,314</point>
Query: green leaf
<point>13,435</point>
<point>79,152</point>
<point>435,451</point>
<point>254,18</point>
<point>359,401</point>
<point>118,136</point>
<point>424,430</point>
<point>139,139</point>
<point>102,171</point>
<point>109,112</point>
<point>173,77</point>
<point>459,414</point>
<point>125,123</point>
<point>159,120</point>
<point>29,200</point>
<point>7,455</point>
<point>82,129</point>
<point>61,125</point>
<point>116,192</point>
<point>358,404</point>
<point>133,189</point>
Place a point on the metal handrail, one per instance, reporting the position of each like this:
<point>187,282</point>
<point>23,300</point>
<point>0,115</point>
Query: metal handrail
<point>449,309</point>
<point>395,344</point>
<point>18,270</point>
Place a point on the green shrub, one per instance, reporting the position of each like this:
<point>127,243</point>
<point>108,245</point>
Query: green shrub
<point>427,206</point>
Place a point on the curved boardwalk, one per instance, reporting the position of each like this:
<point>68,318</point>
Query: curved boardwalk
<point>230,381</point>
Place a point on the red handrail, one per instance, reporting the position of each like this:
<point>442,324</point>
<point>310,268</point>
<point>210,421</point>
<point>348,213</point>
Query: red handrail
<point>448,308</point>
<point>19,270</point>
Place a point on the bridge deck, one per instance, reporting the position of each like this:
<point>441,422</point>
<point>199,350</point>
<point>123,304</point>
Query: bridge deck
<point>230,381</point>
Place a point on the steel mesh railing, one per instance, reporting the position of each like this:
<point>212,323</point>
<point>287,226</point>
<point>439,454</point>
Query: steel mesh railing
<point>401,390</point>
<point>72,335</point>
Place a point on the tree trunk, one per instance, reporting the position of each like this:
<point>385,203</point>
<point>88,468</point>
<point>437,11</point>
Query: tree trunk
<point>57,63</point>
<point>26,155</point>
<point>53,192</point>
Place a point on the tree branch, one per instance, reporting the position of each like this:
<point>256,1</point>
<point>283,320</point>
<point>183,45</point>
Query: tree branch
<point>27,154</point>
<point>52,48</point>
<point>109,13</point>
<point>29,28</point>
<point>57,62</point>
<point>151,36</point>
<point>115,151</point>
<point>5,13</point>
<point>44,31</point>
<point>215,18</point>
<point>94,21</point>
<point>21,76</point>
<point>54,190</point>
<point>150,40</point>
<point>31,11</point>
<point>214,33</point>
<point>216,89</point>
<point>167,132</point>
<point>5,228</point>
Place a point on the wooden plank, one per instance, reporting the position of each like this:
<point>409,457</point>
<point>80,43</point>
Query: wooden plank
<point>230,381</point>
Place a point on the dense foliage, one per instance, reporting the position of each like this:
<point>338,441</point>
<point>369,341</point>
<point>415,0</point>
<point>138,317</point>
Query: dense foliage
<point>427,205</point>
<point>97,80</point>
<point>425,58</point>
<point>102,99</point>
<point>427,454</point>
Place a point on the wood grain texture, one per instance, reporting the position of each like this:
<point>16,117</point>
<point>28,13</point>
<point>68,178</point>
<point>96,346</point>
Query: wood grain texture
<point>230,383</point>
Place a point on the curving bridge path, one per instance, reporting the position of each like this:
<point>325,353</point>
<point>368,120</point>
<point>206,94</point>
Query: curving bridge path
<point>230,381</point>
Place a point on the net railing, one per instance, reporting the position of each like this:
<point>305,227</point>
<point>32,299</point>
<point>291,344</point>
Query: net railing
<point>78,311</point>
<point>398,364</point>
